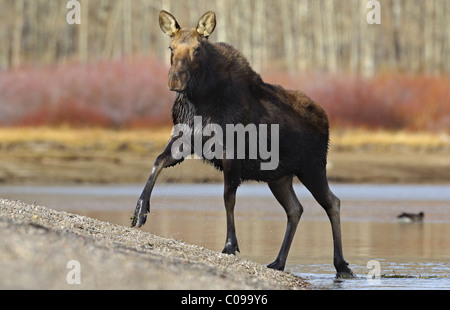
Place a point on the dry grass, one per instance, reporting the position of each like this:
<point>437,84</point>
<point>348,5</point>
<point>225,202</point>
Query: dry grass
<point>46,155</point>
<point>381,140</point>
<point>110,139</point>
<point>70,138</point>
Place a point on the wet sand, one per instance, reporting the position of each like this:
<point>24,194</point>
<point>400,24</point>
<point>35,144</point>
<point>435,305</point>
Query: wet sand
<point>37,244</point>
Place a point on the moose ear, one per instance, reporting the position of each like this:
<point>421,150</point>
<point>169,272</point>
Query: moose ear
<point>168,23</point>
<point>206,24</point>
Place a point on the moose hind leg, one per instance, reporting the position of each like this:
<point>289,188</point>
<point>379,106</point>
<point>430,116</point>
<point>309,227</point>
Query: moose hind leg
<point>285,195</point>
<point>317,184</point>
<point>231,244</point>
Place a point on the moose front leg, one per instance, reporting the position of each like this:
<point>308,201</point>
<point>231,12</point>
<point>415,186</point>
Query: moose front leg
<point>231,173</point>
<point>165,159</point>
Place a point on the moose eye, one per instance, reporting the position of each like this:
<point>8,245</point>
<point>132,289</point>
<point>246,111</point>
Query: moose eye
<point>171,49</point>
<point>196,51</point>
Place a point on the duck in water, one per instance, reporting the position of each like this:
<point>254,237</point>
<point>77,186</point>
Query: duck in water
<point>411,217</point>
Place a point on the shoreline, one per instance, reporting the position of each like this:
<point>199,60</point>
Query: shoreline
<point>41,242</point>
<point>129,168</point>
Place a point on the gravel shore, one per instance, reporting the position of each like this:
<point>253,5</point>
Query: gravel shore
<point>45,249</point>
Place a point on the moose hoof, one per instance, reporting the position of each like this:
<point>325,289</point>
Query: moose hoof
<point>138,221</point>
<point>230,248</point>
<point>276,265</point>
<point>345,274</point>
<point>140,214</point>
<point>343,271</point>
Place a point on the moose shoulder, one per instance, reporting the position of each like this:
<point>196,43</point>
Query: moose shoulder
<point>215,84</point>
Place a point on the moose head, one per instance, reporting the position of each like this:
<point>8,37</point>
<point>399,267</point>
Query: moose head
<point>187,48</point>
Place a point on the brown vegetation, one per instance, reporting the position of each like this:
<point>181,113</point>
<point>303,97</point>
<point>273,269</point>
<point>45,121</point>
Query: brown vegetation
<point>133,93</point>
<point>128,93</point>
<point>389,101</point>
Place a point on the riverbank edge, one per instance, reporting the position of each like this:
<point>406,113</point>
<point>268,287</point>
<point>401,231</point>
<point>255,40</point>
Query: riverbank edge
<point>46,249</point>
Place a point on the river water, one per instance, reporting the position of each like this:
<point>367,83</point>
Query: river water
<point>395,255</point>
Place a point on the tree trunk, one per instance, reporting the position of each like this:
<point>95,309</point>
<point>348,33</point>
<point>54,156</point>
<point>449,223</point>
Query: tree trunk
<point>16,46</point>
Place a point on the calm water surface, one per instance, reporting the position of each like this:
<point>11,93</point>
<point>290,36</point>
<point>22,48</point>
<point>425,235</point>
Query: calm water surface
<point>410,256</point>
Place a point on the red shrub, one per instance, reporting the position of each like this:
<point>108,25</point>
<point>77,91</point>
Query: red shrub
<point>133,93</point>
<point>386,101</point>
<point>107,93</point>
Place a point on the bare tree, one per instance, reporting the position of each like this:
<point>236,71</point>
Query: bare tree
<point>16,44</point>
<point>292,35</point>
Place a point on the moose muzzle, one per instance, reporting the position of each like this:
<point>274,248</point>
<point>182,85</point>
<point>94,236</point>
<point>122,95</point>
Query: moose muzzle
<point>178,80</point>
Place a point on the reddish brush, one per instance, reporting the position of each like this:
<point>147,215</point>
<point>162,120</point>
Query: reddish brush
<point>392,101</point>
<point>133,93</point>
<point>121,93</point>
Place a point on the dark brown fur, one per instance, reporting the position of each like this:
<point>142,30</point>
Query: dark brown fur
<point>216,82</point>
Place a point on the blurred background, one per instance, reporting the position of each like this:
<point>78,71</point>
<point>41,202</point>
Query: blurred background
<point>387,82</point>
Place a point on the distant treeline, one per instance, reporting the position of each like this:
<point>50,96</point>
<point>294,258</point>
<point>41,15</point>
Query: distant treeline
<point>292,35</point>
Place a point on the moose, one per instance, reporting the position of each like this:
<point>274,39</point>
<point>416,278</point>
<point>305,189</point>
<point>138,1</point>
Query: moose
<point>216,82</point>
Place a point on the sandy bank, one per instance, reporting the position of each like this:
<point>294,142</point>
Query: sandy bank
<point>37,243</point>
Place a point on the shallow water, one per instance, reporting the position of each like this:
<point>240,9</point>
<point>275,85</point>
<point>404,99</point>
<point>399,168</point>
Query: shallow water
<point>409,256</point>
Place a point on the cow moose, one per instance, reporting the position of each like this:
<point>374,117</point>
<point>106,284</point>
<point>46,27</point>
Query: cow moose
<point>214,81</point>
